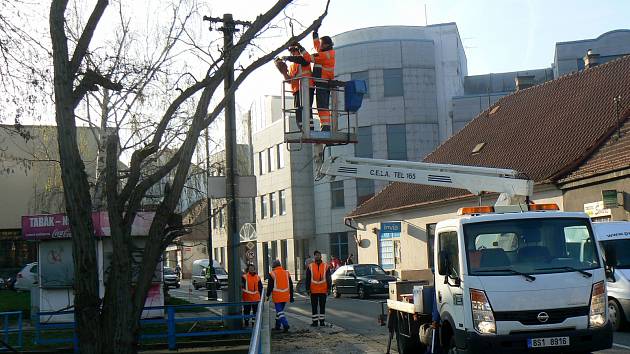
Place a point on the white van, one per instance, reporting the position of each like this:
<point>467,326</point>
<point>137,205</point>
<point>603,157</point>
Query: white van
<point>614,239</point>
<point>199,273</point>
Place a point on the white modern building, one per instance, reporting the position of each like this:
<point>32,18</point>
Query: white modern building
<point>412,73</point>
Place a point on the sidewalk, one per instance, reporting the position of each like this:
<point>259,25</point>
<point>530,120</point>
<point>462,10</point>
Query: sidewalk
<point>302,338</point>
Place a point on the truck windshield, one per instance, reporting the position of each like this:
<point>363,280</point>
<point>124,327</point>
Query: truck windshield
<point>530,246</point>
<point>617,251</point>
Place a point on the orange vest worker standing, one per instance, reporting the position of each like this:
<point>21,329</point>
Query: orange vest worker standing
<point>318,285</point>
<point>280,288</point>
<point>251,286</point>
<point>323,68</point>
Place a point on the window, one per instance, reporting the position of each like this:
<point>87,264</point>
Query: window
<point>284,254</point>
<point>430,244</point>
<point>392,82</point>
<point>448,245</point>
<point>261,163</point>
<point>280,155</point>
<point>266,257</point>
<point>222,255</point>
<point>263,206</point>
<point>269,160</point>
<point>339,245</point>
<point>396,142</point>
<point>365,190</point>
<point>388,237</point>
<point>221,218</point>
<point>364,147</point>
<point>216,253</point>
<point>215,219</point>
<point>336,194</point>
<point>274,251</point>
<point>362,75</point>
<point>272,204</point>
<point>283,202</point>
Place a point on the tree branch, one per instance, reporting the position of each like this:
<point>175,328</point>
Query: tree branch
<point>86,36</point>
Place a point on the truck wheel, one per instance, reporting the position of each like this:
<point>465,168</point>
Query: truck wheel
<point>335,292</point>
<point>195,286</point>
<point>452,347</point>
<point>362,293</point>
<point>615,314</point>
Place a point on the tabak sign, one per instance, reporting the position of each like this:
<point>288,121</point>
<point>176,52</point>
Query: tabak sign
<point>57,226</point>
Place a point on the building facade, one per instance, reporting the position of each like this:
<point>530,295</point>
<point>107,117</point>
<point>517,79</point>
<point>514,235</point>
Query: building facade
<point>482,91</point>
<point>585,168</point>
<point>30,183</point>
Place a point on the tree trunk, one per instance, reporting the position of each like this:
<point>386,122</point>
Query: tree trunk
<point>76,192</point>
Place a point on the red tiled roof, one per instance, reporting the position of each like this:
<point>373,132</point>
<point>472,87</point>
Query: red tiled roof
<point>546,132</point>
<point>613,155</point>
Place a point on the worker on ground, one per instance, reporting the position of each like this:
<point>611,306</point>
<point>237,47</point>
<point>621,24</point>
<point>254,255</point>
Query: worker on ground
<point>318,286</point>
<point>280,288</point>
<point>300,68</point>
<point>350,259</point>
<point>252,289</point>
<point>323,68</point>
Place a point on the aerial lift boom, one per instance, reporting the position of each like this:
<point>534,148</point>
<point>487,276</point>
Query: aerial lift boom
<point>512,185</point>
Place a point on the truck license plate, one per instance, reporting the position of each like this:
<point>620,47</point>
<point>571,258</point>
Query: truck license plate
<point>547,342</point>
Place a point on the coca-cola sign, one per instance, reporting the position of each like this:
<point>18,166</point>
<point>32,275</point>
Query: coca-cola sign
<point>57,226</point>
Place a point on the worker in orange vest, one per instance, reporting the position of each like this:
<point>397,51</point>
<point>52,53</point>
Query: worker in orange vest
<point>300,68</point>
<point>323,68</point>
<point>318,286</point>
<point>280,288</point>
<point>252,289</point>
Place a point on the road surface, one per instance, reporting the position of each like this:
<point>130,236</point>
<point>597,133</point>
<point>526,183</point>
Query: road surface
<point>356,317</point>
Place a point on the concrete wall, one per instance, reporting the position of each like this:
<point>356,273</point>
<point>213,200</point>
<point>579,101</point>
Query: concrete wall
<point>610,45</point>
<point>33,183</point>
<point>588,191</point>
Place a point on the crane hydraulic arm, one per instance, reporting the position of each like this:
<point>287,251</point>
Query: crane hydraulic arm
<point>512,185</point>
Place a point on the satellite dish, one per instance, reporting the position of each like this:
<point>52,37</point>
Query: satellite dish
<point>365,243</point>
<point>248,232</point>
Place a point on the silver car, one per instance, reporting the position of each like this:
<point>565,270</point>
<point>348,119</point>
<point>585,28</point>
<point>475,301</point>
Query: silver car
<point>27,277</point>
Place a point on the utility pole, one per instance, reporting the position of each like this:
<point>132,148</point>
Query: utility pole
<point>211,284</point>
<point>233,240</point>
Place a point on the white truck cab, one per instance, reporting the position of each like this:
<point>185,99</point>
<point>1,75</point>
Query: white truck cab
<point>520,282</point>
<point>614,240</point>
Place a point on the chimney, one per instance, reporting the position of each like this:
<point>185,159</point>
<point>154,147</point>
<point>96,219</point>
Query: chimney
<point>590,59</point>
<point>524,81</point>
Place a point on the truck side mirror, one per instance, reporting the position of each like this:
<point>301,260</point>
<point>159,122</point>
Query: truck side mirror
<point>610,273</point>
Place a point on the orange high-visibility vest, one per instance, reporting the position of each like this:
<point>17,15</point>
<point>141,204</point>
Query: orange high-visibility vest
<point>251,291</point>
<point>280,292</point>
<point>324,68</point>
<point>324,62</point>
<point>318,278</point>
<point>297,71</point>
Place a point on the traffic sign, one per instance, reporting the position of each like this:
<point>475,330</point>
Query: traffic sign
<point>250,245</point>
<point>250,254</point>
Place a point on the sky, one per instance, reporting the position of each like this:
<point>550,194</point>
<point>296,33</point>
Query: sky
<point>498,35</point>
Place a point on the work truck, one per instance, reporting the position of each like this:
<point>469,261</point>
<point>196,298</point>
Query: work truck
<point>513,277</point>
<point>508,277</point>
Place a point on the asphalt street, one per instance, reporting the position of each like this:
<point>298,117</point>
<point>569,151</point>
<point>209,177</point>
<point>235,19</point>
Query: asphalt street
<point>354,315</point>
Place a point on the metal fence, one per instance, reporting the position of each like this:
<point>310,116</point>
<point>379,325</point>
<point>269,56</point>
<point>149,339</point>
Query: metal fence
<point>9,331</point>
<point>260,342</point>
<point>171,320</point>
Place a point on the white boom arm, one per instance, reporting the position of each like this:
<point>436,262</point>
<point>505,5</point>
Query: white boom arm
<point>475,179</point>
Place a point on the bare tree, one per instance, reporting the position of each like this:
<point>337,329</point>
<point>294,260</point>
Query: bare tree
<point>111,324</point>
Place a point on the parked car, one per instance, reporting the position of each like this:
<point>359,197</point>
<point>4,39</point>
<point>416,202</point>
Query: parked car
<point>170,278</point>
<point>199,273</point>
<point>614,238</point>
<point>27,277</point>
<point>361,279</point>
